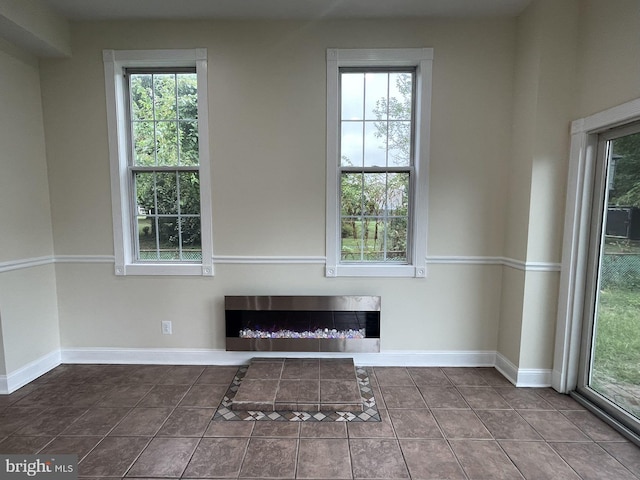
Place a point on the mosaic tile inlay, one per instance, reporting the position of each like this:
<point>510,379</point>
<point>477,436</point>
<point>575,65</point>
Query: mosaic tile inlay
<point>369,409</point>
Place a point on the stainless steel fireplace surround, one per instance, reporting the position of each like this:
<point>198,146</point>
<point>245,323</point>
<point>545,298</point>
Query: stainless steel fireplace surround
<point>331,316</point>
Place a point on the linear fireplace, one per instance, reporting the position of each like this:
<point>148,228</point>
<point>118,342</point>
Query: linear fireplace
<point>343,323</point>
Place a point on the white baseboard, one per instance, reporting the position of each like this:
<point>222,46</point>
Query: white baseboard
<point>29,372</point>
<point>534,377</point>
<point>523,377</point>
<point>176,356</point>
<point>155,356</point>
<point>424,358</point>
<point>506,368</point>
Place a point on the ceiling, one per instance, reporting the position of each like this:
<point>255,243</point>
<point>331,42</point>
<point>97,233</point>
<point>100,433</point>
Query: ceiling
<point>281,9</point>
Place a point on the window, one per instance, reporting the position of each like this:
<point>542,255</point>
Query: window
<point>378,104</point>
<point>159,153</point>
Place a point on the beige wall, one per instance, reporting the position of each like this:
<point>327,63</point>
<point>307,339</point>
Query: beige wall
<point>30,329</point>
<point>35,27</point>
<point>504,92</point>
<point>609,60</point>
<point>267,111</point>
<point>26,226</point>
<point>28,304</point>
<point>544,99</point>
<point>98,309</point>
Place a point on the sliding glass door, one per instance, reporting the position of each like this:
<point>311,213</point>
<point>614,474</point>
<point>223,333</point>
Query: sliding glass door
<point>610,359</point>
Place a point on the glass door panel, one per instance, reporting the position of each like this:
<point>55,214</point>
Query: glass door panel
<point>611,357</point>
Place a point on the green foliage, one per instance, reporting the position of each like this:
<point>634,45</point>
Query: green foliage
<point>164,113</point>
<point>374,210</point>
<point>626,187</point>
<point>157,193</point>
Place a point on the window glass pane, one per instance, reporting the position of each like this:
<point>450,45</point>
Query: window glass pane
<point>398,194</point>
<point>351,144</point>
<point>374,193</point>
<point>373,228</point>
<point>375,154</point>
<point>189,143</point>
<point>167,143</point>
<point>189,193</point>
<point>145,193</point>
<point>374,216</point>
<point>187,96</point>
<point>143,143</point>
<point>169,238</point>
<point>141,97</point>
<point>164,96</point>
<point>400,93</point>
<point>399,137</point>
<point>191,239</point>
<point>351,239</point>
<point>396,236</point>
<point>147,240</point>
<point>376,91</point>
<point>352,96</point>
<point>166,193</point>
<point>351,194</point>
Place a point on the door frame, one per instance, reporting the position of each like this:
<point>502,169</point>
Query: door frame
<point>575,245</point>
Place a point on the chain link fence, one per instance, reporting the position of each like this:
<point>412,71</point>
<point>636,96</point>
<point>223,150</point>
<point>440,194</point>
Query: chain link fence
<point>620,270</point>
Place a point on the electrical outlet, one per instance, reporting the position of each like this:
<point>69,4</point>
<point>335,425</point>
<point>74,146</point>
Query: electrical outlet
<point>167,329</point>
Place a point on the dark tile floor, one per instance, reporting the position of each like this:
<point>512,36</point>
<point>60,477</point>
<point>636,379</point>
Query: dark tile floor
<point>438,423</point>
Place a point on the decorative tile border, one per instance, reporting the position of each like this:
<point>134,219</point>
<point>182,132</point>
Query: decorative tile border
<point>369,414</point>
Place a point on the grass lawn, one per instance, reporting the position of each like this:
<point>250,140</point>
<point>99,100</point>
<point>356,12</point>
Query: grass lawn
<point>617,345</point>
<point>621,245</point>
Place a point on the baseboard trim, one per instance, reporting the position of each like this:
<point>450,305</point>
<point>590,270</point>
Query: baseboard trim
<point>177,356</point>
<point>174,356</point>
<point>523,377</point>
<point>506,368</point>
<point>29,372</point>
<point>534,377</point>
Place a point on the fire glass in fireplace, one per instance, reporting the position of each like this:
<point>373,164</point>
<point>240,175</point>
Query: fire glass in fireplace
<point>303,323</point>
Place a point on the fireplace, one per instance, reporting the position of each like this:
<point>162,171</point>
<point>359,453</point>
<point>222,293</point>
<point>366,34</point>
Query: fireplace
<point>343,323</point>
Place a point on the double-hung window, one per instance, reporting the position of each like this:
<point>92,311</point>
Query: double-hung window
<point>160,161</point>
<point>378,104</point>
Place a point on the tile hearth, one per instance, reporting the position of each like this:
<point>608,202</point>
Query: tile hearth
<point>305,385</point>
<point>299,390</point>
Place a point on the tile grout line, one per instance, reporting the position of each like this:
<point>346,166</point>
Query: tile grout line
<point>246,449</point>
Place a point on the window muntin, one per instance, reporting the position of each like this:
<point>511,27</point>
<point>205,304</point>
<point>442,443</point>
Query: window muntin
<point>376,164</point>
<point>164,165</point>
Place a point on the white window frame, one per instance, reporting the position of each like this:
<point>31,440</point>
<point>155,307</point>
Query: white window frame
<point>115,61</point>
<point>422,60</point>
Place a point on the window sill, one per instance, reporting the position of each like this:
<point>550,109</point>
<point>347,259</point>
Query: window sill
<point>192,269</point>
<point>375,270</point>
